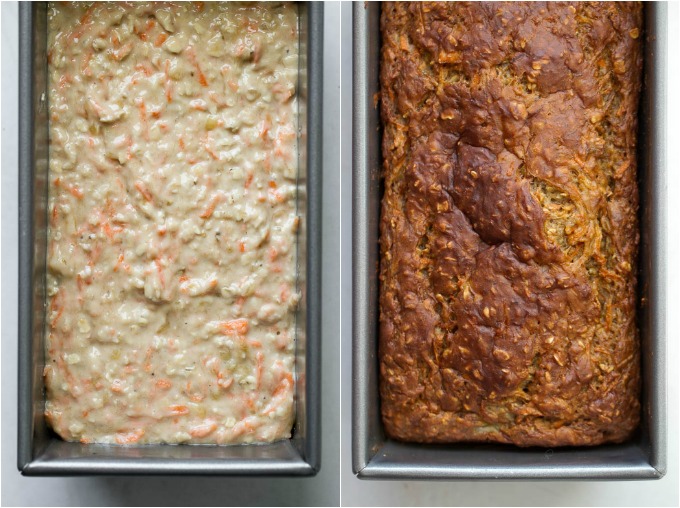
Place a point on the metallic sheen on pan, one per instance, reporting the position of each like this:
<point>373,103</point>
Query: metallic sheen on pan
<point>374,456</point>
<point>40,451</point>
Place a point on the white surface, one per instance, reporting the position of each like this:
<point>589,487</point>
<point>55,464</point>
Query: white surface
<point>178,491</point>
<point>403,493</point>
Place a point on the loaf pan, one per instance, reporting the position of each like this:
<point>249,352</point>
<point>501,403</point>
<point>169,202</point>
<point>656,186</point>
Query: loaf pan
<point>376,457</point>
<point>41,451</point>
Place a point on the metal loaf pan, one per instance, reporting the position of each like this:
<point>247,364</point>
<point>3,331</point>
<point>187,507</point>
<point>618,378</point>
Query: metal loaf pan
<point>376,457</point>
<point>40,451</point>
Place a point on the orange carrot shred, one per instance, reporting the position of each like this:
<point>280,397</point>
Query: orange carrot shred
<point>144,191</point>
<point>234,326</point>
<point>178,410</point>
<point>249,180</point>
<point>191,53</point>
<point>211,208</point>
<point>129,437</point>
<point>162,37</point>
<point>203,429</point>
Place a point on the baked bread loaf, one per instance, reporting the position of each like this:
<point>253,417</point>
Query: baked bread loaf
<point>509,225</point>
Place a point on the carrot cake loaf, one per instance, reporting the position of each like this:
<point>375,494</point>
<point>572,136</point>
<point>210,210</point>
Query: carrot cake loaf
<point>509,227</point>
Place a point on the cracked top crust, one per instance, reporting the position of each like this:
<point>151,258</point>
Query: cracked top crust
<point>509,226</point>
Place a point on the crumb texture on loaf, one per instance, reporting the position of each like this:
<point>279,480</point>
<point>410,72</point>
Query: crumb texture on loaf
<point>509,226</point>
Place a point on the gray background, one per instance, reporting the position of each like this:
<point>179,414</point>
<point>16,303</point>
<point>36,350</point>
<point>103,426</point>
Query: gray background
<point>404,493</point>
<point>321,490</point>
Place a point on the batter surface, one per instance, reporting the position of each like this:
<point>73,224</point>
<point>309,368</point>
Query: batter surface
<point>172,202</point>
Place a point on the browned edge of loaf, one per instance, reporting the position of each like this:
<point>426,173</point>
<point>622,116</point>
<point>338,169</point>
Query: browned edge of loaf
<point>509,227</point>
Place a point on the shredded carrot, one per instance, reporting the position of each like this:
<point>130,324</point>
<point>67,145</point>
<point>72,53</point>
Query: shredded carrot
<point>403,43</point>
<point>159,267</point>
<point>142,33</point>
<point>86,19</point>
<point>146,69</point>
<point>122,52</point>
<point>191,53</point>
<point>129,437</point>
<point>215,98</point>
<point>239,302</point>
<point>85,69</point>
<point>249,180</point>
<point>242,246</point>
<point>224,383</point>
<point>284,384</point>
<point>258,372</point>
<point>282,340</point>
<point>249,401</point>
<point>162,37</point>
<point>285,293</point>
<point>211,151</point>
<point>147,360</point>
<point>198,105</point>
<point>242,427</point>
<point>275,195</point>
<point>55,213</point>
<point>142,117</point>
<point>56,305</point>
<point>168,82</point>
<point>164,383</point>
<point>144,191</point>
<point>234,326</point>
<point>117,386</point>
<point>108,231</point>
<point>178,410</point>
<point>257,53</point>
<point>75,191</point>
<point>204,429</point>
<point>266,125</point>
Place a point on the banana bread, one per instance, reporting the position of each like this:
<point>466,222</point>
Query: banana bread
<point>509,228</point>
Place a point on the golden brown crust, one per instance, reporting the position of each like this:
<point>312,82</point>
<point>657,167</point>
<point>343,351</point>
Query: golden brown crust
<point>509,222</point>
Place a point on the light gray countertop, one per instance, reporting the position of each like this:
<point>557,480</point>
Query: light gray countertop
<point>321,490</point>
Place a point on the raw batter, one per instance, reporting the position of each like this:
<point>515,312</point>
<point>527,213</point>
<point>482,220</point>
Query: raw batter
<point>172,206</point>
